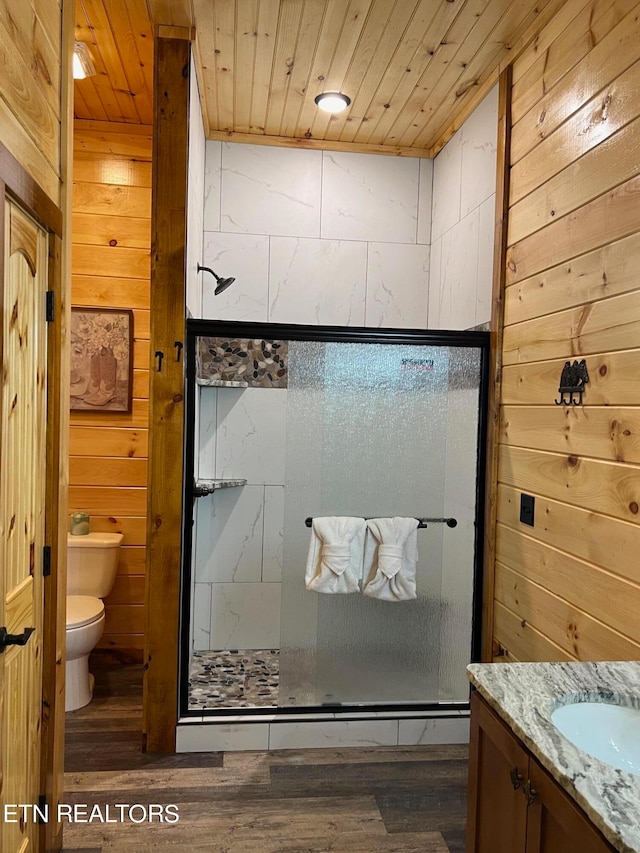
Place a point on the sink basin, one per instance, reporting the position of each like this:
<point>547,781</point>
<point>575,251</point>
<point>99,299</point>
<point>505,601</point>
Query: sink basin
<point>608,732</point>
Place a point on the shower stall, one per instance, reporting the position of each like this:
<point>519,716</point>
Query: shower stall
<point>290,423</point>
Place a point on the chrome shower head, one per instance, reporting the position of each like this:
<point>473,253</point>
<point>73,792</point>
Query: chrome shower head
<point>222,283</point>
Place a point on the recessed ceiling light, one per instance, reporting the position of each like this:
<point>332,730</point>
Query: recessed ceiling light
<point>332,102</point>
<point>82,63</point>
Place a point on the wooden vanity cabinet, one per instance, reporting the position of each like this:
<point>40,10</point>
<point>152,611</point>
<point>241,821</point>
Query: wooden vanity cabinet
<point>515,805</point>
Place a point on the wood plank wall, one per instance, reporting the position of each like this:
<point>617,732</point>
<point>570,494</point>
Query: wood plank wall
<point>569,587</point>
<point>111,268</point>
<point>30,103</point>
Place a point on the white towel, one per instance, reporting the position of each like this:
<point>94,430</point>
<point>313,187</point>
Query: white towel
<point>334,562</point>
<point>390,558</point>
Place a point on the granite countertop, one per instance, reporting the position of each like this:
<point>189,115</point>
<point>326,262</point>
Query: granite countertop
<point>525,695</point>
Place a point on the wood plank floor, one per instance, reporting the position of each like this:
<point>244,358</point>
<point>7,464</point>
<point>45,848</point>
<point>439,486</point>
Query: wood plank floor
<point>378,800</point>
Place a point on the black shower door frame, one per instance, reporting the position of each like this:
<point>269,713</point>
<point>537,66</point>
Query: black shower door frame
<point>327,334</point>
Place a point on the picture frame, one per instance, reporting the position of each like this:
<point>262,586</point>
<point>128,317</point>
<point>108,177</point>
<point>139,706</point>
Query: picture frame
<point>101,360</point>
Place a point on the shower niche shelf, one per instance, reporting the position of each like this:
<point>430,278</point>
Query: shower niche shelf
<point>221,383</point>
<point>201,488</point>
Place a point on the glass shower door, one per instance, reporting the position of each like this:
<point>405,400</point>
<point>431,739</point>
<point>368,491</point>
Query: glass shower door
<point>380,430</point>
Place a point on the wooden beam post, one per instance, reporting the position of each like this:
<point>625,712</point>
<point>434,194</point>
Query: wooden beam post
<point>166,401</point>
<point>495,357</point>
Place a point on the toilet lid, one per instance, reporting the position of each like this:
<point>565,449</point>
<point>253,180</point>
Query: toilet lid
<point>82,610</point>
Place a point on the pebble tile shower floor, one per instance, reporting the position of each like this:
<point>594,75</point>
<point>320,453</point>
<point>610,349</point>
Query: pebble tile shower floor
<point>234,678</point>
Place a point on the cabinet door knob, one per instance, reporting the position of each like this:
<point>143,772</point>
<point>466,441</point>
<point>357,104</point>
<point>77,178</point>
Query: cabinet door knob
<point>516,778</point>
<point>529,792</point>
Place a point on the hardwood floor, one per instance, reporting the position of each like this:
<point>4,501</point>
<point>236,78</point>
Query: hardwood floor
<point>377,800</point>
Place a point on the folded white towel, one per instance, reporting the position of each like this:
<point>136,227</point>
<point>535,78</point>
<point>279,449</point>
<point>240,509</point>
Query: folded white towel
<point>390,558</point>
<point>334,562</point>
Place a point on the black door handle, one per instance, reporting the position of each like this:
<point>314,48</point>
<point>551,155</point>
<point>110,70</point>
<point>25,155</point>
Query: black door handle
<point>159,355</point>
<point>178,346</point>
<point>7,639</point>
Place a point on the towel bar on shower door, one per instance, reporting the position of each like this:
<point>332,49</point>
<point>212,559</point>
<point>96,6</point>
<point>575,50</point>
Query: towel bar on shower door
<point>422,522</point>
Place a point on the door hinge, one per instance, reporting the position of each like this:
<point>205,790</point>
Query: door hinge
<point>46,561</point>
<point>50,306</point>
<point>42,808</point>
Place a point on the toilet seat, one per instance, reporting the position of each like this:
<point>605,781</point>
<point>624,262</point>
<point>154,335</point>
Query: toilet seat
<point>83,610</point>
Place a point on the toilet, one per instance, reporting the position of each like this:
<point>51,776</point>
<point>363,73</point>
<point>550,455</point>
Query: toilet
<point>92,563</point>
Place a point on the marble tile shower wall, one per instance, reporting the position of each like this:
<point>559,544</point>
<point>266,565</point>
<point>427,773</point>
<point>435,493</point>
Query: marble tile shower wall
<point>238,555</point>
<point>330,239</point>
<point>195,198</point>
<point>317,237</point>
<point>464,182</point>
<point>311,237</point>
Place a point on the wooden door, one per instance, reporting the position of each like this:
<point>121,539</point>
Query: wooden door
<point>555,822</point>
<point>22,504</point>
<point>498,765</point>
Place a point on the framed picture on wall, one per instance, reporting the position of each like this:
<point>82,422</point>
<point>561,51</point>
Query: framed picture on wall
<point>101,359</point>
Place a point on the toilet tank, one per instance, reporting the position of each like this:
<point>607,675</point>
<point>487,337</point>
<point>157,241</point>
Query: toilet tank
<point>92,563</point>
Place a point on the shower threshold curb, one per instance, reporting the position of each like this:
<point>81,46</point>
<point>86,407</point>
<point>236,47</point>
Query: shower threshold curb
<point>328,731</point>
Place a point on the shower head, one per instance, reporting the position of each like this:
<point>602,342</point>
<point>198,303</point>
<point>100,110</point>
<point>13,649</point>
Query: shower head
<point>222,283</point>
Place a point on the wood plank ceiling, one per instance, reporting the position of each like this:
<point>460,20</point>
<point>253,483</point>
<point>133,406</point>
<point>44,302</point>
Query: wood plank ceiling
<point>408,66</point>
<point>120,39</point>
<point>412,68</point>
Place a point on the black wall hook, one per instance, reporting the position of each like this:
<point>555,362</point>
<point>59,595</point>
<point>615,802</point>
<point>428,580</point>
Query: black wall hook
<point>573,380</point>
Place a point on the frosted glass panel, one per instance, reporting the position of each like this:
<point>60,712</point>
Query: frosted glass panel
<point>377,430</point>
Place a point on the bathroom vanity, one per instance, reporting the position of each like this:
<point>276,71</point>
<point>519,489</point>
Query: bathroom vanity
<point>531,790</point>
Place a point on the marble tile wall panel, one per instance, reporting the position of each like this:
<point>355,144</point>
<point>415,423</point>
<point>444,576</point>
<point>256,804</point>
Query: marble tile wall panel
<point>486,228</point>
<point>336,733</point>
<point>413,732</point>
<point>246,258</point>
<point>234,554</point>
<point>425,201</point>
<point>213,168</point>
<point>435,289</point>
<point>203,541</point>
<point>273,534</point>
<point>201,616</point>
<point>317,281</point>
<point>206,432</point>
<point>459,275</point>
<point>251,435</point>
<point>195,198</point>
<point>222,737</point>
<point>463,198</point>
<point>397,285</point>
<point>446,187</point>
<point>367,197</point>
<point>269,190</point>
<point>245,615</point>
<point>479,151</point>
<point>236,736</point>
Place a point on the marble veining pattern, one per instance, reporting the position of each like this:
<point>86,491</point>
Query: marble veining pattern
<point>319,282</point>
<point>245,257</point>
<point>271,191</point>
<point>526,694</point>
<point>369,198</point>
<point>397,285</point>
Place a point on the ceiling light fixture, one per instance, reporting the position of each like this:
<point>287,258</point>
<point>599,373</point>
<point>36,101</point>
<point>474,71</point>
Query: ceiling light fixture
<point>82,63</point>
<point>332,102</point>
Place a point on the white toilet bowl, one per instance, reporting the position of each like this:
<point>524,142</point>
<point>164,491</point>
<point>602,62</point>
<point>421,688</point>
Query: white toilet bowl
<point>92,562</point>
<point>85,626</point>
